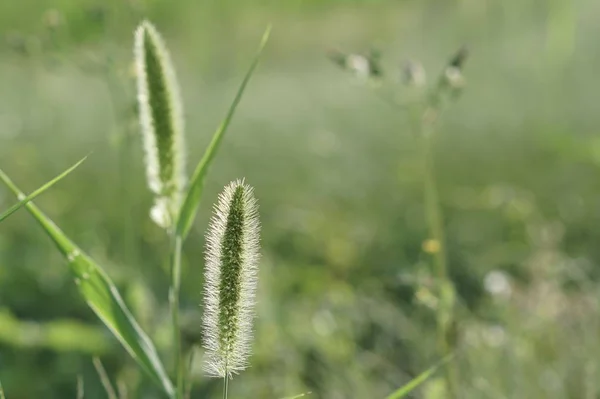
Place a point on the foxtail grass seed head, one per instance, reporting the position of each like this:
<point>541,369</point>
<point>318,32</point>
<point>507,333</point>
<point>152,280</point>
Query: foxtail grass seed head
<point>161,119</point>
<point>232,255</point>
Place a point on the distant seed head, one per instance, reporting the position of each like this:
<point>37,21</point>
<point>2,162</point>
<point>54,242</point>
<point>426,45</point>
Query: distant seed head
<point>454,77</point>
<point>161,119</point>
<point>363,67</point>
<point>413,74</point>
<point>232,255</point>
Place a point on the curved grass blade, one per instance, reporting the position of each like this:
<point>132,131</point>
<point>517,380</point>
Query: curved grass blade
<point>194,192</point>
<point>103,297</point>
<point>418,380</point>
<point>39,191</point>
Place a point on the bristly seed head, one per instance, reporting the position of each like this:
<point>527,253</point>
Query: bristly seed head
<point>232,255</point>
<point>161,119</point>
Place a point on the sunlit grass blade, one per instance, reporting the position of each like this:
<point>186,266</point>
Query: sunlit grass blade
<point>102,297</point>
<point>39,191</point>
<point>418,380</point>
<point>192,197</point>
<point>2,391</point>
<point>298,396</point>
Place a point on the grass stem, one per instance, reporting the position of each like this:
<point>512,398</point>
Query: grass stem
<point>174,303</point>
<point>225,386</point>
<point>438,251</point>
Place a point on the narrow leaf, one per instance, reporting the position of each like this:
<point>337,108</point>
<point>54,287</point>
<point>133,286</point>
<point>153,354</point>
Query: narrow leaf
<point>194,192</point>
<point>102,296</point>
<point>418,380</point>
<point>39,191</point>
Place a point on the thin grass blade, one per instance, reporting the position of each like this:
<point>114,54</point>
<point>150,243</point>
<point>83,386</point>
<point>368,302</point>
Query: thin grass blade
<point>39,191</point>
<point>188,377</point>
<point>298,396</point>
<point>2,391</point>
<point>194,192</point>
<point>418,380</point>
<point>102,297</point>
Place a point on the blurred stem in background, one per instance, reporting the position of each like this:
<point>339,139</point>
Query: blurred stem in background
<point>436,246</point>
<point>117,81</point>
<point>423,118</point>
<point>447,88</point>
<point>423,109</point>
<point>64,335</point>
<point>123,138</point>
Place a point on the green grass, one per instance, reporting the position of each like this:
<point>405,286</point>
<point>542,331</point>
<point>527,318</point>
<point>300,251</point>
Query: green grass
<point>337,174</point>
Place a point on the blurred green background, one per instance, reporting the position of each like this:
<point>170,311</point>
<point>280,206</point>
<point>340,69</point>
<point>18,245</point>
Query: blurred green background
<point>345,308</point>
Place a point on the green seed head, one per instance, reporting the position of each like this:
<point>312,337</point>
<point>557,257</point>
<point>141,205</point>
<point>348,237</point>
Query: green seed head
<point>232,254</point>
<point>161,119</point>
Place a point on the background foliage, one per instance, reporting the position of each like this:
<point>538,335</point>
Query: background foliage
<point>344,306</point>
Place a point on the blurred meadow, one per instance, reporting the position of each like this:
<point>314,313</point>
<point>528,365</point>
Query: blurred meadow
<point>345,304</point>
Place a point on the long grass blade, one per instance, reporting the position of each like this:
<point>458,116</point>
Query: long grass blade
<point>102,297</point>
<point>2,391</point>
<point>298,396</point>
<point>194,192</point>
<point>39,191</point>
<point>418,380</point>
